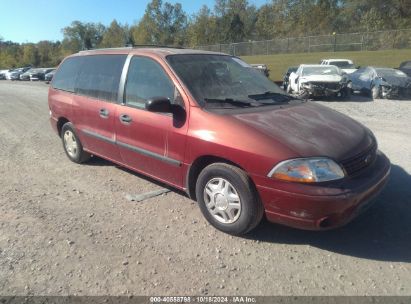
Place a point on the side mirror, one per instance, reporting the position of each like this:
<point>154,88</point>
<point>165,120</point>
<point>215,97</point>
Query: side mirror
<point>159,104</point>
<point>358,67</point>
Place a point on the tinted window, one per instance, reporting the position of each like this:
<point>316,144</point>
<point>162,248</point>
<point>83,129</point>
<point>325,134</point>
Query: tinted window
<point>220,77</point>
<point>99,76</point>
<point>406,64</point>
<point>146,79</point>
<point>343,64</point>
<point>65,78</point>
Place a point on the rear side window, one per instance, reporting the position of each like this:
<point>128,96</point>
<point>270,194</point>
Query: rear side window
<point>66,75</point>
<point>99,76</point>
<point>146,79</point>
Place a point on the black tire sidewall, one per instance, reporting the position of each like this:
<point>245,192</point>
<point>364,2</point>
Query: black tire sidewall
<point>377,88</point>
<point>80,153</point>
<point>245,191</point>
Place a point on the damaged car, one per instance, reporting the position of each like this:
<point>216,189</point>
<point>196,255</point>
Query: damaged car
<point>314,80</point>
<point>286,77</point>
<point>345,65</point>
<point>381,83</point>
<point>263,68</point>
<point>405,67</point>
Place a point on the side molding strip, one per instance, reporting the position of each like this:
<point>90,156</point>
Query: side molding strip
<point>141,151</point>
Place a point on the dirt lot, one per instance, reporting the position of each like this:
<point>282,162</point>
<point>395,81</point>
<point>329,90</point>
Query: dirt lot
<point>69,229</point>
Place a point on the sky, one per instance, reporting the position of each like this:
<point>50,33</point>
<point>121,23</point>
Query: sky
<point>35,20</point>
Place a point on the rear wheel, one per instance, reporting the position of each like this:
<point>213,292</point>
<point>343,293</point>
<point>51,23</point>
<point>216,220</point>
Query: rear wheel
<point>72,145</point>
<point>228,199</point>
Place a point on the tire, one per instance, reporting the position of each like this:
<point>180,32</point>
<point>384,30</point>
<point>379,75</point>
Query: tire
<point>346,93</point>
<point>237,216</point>
<point>375,92</point>
<point>72,144</point>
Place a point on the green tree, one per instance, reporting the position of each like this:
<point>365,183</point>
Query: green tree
<point>114,36</point>
<point>202,29</point>
<point>80,35</point>
<point>30,55</point>
<point>162,23</point>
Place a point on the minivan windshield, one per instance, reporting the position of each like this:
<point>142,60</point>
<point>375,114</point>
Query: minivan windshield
<point>225,81</point>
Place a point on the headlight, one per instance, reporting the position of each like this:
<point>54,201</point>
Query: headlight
<point>307,170</point>
<point>306,85</point>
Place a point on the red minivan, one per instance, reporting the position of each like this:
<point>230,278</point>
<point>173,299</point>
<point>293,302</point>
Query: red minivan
<point>209,124</point>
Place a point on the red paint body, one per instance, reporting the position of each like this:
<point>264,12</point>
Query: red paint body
<point>254,141</point>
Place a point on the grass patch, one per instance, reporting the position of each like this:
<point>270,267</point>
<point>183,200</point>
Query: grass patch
<point>280,62</point>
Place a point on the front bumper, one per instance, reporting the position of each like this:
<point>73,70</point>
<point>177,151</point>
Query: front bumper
<point>320,207</point>
<point>323,89</point>
<point>396,92</point>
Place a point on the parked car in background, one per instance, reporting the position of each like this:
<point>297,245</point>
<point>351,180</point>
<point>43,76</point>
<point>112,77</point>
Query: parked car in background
<point>381,82</point>
<point>287,76</point>
<point>40,74</point>
<point>261,68</point>
<point>49,76</point>
<point>3,74</point>
<point>345,65</point>
<point>208,124</point>
<point>406,67</point>
<point>15,74</point>
<point>26,75</point>
<point>314,80</point>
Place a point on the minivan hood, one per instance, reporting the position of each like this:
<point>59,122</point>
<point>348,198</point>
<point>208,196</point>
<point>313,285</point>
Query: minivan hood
<point>311,130</point>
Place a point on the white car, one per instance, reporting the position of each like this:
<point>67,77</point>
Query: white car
<point>15,74</point>
<point>3,74</point>
<point>346,65</point>
<point>313,80</point>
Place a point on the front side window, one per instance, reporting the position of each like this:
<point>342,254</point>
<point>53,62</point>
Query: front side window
<point>221,79</point>
<point>146,79</point>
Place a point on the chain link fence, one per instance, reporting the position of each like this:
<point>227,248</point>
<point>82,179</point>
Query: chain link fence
<point>367,41</point>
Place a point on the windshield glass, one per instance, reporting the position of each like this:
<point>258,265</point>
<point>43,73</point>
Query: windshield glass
<point>343,64</point>
<point>320,70</point>
<point>223,78</point>
<point>390,73</point>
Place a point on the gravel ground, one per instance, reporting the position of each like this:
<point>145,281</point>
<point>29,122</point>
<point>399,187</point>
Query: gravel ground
<point>70,229</point>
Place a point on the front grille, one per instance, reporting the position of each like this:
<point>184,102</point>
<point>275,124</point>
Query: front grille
<point>327,85</point>
<point>361,161</point>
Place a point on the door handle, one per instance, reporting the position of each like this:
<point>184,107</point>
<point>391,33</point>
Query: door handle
<point>124,118</point>
<point>104,113</point>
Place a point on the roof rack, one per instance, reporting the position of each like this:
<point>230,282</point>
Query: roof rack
<point>134,46</point>
<point>104,49</point>
<point>157,46</point>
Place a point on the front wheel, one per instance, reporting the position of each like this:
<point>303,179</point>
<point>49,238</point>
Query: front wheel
<point>228,199</point>
<point>289,90</point>
<point>375,92</point>
<point>72,145</point>
<point>346,93</point>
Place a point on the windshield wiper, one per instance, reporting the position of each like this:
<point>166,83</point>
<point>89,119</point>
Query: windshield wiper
<point>272,95</point>
<point>236,102</point>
